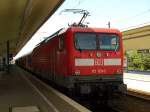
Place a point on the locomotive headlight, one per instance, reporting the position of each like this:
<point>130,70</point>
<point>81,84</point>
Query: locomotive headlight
<point>77,72</point>
<point>119,71</point>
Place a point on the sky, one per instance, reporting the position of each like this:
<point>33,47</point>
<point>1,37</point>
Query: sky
<point>122,15</point>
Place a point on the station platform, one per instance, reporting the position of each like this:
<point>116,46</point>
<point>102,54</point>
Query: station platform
<point>139,81</point>
<point>14,92</point>
<point>19,94</point>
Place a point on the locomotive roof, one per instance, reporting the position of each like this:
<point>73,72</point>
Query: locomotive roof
<point>92,29</point>
<point>62,30</point>
<point>75,29</point>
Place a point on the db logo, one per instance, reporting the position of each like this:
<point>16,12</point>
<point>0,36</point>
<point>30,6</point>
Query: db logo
<point>98,62</point>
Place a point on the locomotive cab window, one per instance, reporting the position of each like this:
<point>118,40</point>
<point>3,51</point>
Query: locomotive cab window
<point>61,43</point>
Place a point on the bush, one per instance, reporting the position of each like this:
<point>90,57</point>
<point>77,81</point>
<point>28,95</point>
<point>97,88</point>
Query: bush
<point>138,61</point>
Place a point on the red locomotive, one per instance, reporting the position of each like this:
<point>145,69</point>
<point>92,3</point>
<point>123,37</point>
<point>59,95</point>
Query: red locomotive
<point>80,59</point>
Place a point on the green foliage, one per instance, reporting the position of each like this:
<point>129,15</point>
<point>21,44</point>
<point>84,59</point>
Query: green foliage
<point>138,61</point>
<point>146,61</point>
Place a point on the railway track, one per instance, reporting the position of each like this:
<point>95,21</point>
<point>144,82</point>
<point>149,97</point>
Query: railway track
<point>96,105</point>
<point>130,103</point>
<point>125,103</point>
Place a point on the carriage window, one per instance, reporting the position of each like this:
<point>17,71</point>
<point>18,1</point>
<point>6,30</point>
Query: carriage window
<point>85,41</point>
<point>108,41</point>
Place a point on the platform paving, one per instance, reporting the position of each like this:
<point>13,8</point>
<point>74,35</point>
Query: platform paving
<point>138,81</point>
<point>16,93</point>
<point>20,91</point>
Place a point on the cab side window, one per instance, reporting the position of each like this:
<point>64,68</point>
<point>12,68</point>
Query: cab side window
<point>61,43</point>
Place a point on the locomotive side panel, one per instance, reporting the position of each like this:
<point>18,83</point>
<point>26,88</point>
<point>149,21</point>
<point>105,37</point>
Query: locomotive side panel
<point>50,60</point>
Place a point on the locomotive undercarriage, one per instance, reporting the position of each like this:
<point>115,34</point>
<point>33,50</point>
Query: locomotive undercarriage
<point>99,84</point>
<point>99,88</point>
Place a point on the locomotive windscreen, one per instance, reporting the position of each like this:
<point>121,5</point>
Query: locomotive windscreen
<point>108,41</point>
<point>95,41</point>
<point>85,41</point>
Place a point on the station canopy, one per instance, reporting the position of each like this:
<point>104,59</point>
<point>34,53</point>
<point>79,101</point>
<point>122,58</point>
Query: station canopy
<point>20,19</point>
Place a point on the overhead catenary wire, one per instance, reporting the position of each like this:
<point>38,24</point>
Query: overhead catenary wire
<point>79,3</point>
<point>132,17</point>
<point>136,26</point>
<point>129,20</point>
